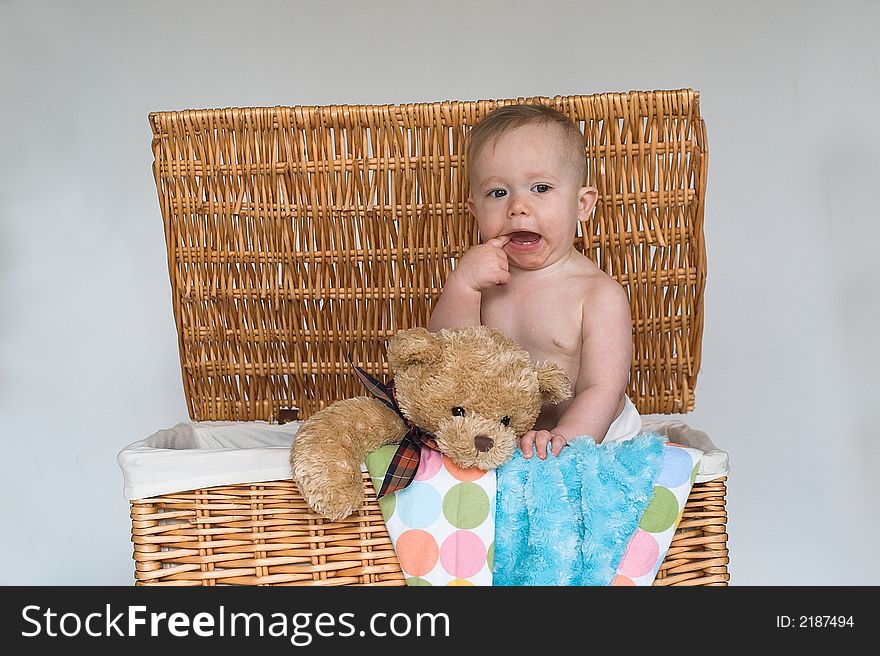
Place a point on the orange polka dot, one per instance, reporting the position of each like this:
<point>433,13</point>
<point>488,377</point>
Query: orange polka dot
<point>469,474</point>
<point>620,579</point>
<point>417,552</point>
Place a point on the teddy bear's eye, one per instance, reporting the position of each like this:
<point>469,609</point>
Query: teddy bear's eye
<point>458,411</point>
<point>505,421</point>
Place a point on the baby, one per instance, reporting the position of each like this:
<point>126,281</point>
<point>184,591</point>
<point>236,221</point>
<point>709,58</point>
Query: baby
<point>527,171</point>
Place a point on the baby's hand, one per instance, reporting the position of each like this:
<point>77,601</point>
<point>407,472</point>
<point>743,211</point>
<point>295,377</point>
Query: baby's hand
<point>540,440</point>
<point>484,265</point>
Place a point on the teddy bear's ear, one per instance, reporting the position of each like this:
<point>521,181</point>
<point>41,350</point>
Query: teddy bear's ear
<point>554,383</point>
<point>414,346</point>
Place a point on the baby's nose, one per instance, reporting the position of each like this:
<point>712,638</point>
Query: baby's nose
<point>483,443</point>
<point>517,205</point>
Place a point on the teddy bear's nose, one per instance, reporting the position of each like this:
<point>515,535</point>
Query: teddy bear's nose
<point>483,443</point>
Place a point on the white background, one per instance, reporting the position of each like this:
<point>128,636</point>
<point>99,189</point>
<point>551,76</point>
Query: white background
<point>790,92</point>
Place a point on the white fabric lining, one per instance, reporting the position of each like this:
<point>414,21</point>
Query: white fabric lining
<point>195,455</point>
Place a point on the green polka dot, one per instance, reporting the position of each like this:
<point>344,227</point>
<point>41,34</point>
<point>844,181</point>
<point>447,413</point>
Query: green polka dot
<point>694,472</point>
<point>377,462</point>
<point>415,580</point>
<point>387,505</point>
<point>661,512</point>
<point>490,556</point>
<point>466,505</point>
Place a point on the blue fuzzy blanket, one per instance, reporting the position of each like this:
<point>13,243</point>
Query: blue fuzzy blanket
<point>567,520</point>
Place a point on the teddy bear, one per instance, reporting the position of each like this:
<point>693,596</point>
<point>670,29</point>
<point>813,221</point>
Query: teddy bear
<point>469,392</point>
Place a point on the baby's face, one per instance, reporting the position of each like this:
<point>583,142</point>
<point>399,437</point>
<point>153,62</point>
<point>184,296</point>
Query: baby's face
<point>526,188</point>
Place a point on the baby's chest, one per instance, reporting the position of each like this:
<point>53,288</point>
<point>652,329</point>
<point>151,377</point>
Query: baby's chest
<point>547,324</point>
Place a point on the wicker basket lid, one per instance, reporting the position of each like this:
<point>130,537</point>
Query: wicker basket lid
<point>299,235</point>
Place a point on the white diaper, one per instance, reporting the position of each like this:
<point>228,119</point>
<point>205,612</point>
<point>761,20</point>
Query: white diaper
<point>628,423</point>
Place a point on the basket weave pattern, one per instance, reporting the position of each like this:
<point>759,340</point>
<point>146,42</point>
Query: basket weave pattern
<point>259,534</point>
<point>265,534</point>
<point>299,235</point>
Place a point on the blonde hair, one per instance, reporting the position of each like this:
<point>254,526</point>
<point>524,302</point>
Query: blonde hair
<point>509,117</point>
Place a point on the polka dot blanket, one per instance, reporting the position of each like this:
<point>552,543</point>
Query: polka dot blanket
<point>596,515</point>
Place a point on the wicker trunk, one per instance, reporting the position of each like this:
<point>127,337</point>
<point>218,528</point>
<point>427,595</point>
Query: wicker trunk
<point>297,235</point>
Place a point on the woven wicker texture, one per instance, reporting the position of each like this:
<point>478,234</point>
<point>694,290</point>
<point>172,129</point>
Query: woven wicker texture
<point>298,234</point>
<point>260,534</point>
<point>265,534</point>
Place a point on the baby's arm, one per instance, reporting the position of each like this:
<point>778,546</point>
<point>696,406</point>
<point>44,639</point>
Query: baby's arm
<point>481,267</point>
<point>606,357</point>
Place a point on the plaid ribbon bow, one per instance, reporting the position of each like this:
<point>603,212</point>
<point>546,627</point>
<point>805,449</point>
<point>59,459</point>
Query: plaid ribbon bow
<point>405,462</point>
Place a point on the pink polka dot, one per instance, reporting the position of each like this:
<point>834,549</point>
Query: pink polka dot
<point>417,552</point>
<point>620,579</point>
<point>641,555</point>
<point>462,554</point>
<point>469,474</point>
<point>429,464</point>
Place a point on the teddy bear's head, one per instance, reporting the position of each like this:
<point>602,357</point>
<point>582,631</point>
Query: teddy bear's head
<point>474,389</point>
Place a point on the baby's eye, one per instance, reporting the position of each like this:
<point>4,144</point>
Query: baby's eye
<point>458,411</point>
<point>541,188</point>
<point>505,421</point>
<point>501,193</point>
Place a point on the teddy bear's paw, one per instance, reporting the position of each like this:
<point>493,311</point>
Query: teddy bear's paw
<point>334,496</point>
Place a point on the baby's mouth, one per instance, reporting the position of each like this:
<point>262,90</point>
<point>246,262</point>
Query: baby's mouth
<point>524,237</point>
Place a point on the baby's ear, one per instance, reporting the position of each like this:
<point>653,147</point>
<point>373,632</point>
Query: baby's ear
<point>414,346</point>
<point>554,383</point>
<point>587,198</point>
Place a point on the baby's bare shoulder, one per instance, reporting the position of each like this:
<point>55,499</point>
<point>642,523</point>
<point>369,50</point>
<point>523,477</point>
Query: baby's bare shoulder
<point>605,299</point>
<point>595,281</point>
<point>602,287</point>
